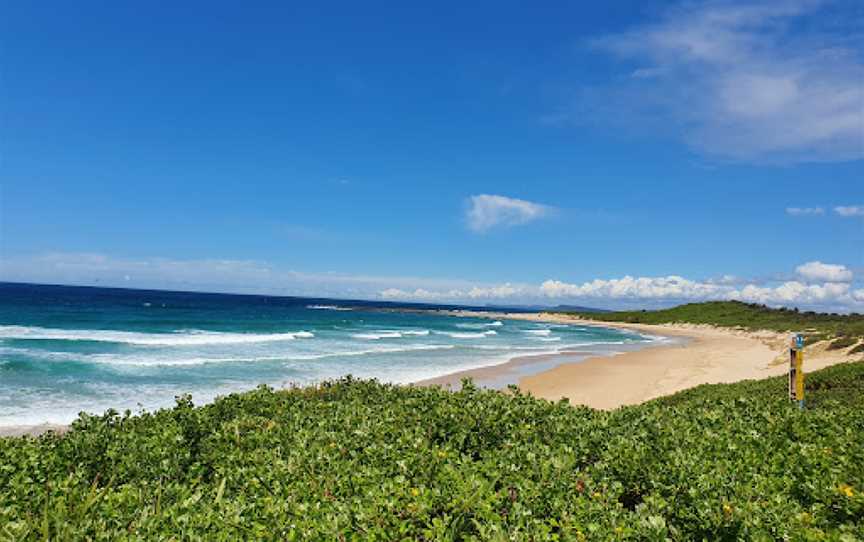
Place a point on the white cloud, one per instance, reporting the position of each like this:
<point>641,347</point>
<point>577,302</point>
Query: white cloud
<point>670,287</point>
<point>726,279</point>
<point>748,82</point>
<point>831,295</point>
<point>804,211</point>
<point>795,293</point>
<point>487,211</point>
<point>851,210</point>
<point>420,295</point>
<point>631,291</point>
<point>822,286</point>
<point>824,272</point>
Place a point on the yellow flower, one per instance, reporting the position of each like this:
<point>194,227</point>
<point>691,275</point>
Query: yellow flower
<point>846,489</point>
<point>727,509</point>
<point>415,491</point>
<point>442,453</point>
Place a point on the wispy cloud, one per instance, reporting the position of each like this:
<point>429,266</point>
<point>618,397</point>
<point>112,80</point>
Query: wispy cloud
<point>805,211</point>
<point>757,81</point>
<point>850,210</point>
<point>487,211</point>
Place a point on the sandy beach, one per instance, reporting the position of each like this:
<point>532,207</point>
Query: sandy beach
<point>708,355</point>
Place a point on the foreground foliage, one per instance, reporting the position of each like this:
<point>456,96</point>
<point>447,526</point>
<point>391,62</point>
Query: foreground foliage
<point>360,460</point>
<point>848,329</point>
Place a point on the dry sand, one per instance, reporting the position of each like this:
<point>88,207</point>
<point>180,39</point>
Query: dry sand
<point>31,430</point>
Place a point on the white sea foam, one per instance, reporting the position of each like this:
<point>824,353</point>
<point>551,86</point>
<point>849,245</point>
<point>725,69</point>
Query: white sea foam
<point>654,338</point>
<point>593,344</point>
<point>371,351</point>
<point>461,335</point>
<point>479,325</point>
<point>378,336</point>
<point>328,308</point>
<point>192,337</point>
<point>174,359</point>
<point>543,332</point>
<point>391,334</point>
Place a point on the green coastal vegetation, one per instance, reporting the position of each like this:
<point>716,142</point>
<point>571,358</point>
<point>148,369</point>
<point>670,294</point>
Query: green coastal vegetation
<point>360,460</point>
<point>843,330</point>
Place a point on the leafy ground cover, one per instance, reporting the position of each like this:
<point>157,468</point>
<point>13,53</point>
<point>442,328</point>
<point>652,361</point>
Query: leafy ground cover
<point>841,343</point>
<point>817,326</point>
<point>359,460</point>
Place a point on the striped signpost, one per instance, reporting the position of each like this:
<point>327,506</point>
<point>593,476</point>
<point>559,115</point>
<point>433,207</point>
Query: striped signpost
<point>796,370</point>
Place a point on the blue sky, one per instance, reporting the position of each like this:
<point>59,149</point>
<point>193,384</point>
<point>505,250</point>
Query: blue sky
<point>495,152</point>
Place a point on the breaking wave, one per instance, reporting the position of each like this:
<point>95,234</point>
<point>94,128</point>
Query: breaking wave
<point>391,334</point>
<point>191,337</point>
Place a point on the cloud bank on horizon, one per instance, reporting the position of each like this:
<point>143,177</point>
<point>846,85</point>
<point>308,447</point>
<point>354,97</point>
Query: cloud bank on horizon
<point>816,285</point>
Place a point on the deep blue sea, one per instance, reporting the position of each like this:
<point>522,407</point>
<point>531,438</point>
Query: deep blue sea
<point>66,349</point>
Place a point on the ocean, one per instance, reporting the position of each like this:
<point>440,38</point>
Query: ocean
<point>64,349</point>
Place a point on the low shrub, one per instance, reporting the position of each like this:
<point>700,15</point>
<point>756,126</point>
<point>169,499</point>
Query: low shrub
<point>842,342</point>
<point>360,460</point>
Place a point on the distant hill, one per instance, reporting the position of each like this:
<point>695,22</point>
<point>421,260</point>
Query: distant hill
<point>558,308</point>
<point>576,308</point>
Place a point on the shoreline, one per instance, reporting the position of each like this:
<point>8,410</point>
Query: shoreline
<point>699,355</point>
<point>702,355</point>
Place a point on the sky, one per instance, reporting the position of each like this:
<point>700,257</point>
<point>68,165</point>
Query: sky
<point>608,154</point>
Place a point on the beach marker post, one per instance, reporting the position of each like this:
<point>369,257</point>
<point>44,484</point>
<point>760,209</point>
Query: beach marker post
<point>796,369</point>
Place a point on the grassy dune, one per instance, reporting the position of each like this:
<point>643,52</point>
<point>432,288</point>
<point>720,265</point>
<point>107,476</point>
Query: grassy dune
<point>358,460</point>
<point>843,329</point>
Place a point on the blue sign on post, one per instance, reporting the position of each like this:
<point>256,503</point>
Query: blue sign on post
<point>799,341</point>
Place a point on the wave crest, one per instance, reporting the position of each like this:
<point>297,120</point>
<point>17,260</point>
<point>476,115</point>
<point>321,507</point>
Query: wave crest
<point>191,337</point>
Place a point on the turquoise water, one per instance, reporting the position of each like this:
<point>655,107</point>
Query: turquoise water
<point>64,350</point>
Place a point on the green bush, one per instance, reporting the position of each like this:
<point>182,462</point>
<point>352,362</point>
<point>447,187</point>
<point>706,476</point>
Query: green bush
<point>842,342</point>
<point>359,460</point>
